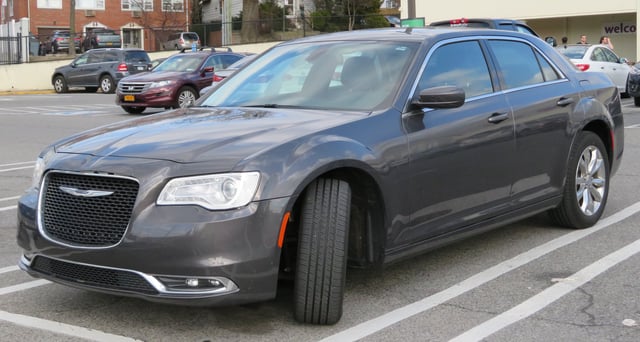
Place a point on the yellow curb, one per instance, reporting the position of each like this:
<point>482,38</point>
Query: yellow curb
<point>26,92</point>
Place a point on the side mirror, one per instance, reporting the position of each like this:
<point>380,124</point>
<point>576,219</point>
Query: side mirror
<point>440,97</point>
<point>624,60</point>
<point>206,70</point>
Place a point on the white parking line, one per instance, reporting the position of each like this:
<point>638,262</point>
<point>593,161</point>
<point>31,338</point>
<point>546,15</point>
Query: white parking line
<point>9,269</point>
<point>19,163</point>
<point>548,296</point>
<point>9,198</point>
<point>23,286</point>
<point>381,322</point>
<point>17,168</point>
<point>11,207</point>
<point>61,328</point>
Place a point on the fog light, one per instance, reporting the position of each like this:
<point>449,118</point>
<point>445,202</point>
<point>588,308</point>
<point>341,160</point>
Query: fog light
<point>192,282</point>
<point>215,283</point>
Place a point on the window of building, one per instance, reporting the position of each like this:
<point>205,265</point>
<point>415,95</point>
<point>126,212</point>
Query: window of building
<point>90,4</point>
<point>137,5</point>
<point>49,3</point>
<point>173,5</point>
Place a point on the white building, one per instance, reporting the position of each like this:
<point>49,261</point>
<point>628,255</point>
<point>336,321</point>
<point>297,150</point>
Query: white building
<point>214,10</point>
<point>568,18</point>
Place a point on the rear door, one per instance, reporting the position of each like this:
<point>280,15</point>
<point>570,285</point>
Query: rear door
<point>542,100</point>
<point>463,156</point>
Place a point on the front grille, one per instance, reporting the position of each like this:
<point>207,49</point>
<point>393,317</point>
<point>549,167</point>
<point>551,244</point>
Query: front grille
<point>93,276</point>
<point>99,221</point>
<point>133,87</point>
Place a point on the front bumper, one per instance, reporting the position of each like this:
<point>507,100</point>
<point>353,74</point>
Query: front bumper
<point>633,85</point>
<point>183,255</point>
<point>161,97</point>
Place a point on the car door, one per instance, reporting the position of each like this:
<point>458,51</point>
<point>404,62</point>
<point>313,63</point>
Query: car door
<point>608,62</point>
<point>75,75</point>
<point>463,155</point>
<point>542,99</point>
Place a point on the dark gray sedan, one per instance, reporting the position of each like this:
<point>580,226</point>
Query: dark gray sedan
<point>352,149</point>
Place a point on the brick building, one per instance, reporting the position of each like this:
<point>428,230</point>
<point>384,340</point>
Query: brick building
<point>141,23</point>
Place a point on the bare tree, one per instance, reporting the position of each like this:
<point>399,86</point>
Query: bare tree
<point>250,20</point>
<point>72,28</point>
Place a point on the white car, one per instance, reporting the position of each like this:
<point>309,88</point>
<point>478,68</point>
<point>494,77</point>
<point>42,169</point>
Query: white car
<point>599,58</point>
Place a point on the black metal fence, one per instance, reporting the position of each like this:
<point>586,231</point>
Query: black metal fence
<point>11,50</point>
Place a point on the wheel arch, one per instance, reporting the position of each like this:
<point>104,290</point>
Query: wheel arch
<point>604,131</point>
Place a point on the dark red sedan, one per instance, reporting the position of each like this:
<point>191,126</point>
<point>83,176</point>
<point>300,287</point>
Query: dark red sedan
<point>175,83</point>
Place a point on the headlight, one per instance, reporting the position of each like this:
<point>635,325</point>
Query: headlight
<point>214,192</point>
<point>41,164</point>
<point>161,84</point>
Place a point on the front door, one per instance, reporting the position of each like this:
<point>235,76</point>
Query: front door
<point>131,38</point>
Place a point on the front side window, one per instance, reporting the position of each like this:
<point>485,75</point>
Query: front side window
<point>518,65</point>
<point>460,64</point>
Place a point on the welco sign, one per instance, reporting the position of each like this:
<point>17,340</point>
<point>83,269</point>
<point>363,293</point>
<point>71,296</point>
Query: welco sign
<point>619,28</point>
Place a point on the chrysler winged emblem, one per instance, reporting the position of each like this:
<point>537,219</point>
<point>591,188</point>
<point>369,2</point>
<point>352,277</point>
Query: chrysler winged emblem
<point>84,193</point>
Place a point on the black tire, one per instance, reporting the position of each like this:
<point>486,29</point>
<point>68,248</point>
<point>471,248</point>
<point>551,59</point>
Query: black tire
<point>91,89</point>
<point>187,96</point>
<point>134,110</point>
<point>636,101</point>
<point>321,265</point>
<point>106,84</point>
<point>60,85</point>
<point>583,202</point>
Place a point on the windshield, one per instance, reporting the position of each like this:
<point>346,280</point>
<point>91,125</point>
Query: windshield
<point>349,75</point>
<point>181,63</point>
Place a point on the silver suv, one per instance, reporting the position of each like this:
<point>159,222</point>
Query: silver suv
<point>182,41</point>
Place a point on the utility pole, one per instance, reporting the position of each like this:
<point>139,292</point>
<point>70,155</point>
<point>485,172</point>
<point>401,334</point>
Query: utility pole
<point>412,8</point>
<point>72,28</point>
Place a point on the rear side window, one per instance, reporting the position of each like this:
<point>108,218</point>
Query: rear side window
<point>136,56</point>
<point>518,65</point>
<point>461,64</point>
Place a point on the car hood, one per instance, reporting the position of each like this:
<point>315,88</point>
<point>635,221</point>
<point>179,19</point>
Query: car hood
<point>155,76</point>
<point>203,134</point>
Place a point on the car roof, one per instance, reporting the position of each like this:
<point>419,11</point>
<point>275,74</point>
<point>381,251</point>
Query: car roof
<point>416,34</point>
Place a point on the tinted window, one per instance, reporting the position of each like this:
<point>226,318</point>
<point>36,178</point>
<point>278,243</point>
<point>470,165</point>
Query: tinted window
<point>549,73</point>
<point>110,56</point>
<point>136,56</point>
<point>461,64</point>
<point>574,52</point>
<point>517,62</point>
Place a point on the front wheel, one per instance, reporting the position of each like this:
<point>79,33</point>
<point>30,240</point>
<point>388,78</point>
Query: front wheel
<point>186,97</point>
<point>60,85</point>
<point>106,84</point>
<point>321,265</point>
<point>587,185</point>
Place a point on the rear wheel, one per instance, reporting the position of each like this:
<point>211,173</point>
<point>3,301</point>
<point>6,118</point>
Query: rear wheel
<point>186,97</point>
<point>106,84</point>
<point>587,185</point>
<point>321,265</point>
<point>133,110</point>
<point>60,85</point>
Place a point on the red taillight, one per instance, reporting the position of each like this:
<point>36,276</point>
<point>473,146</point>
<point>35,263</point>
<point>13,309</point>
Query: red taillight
<point>122,67</point>
<point>217,78</point>
<point>582,66</point>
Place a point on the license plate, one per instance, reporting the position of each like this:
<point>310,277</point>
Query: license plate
<point>129,98</point>
<point>109,44</point>
<point>141,68</point>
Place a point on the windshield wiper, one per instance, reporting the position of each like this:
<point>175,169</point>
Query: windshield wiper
<point>266,105</point>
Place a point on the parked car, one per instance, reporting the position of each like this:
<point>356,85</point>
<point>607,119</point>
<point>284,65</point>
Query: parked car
<point>220,75</point>
<point>175,83</point>
<point>498,24</point>
<point>106,38</point>
<point>355,148</point>
<point>182,41</point>
<point>100,69</point>
<point>60,41</point>
<point>633,84</point>
<point>599,58</point>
